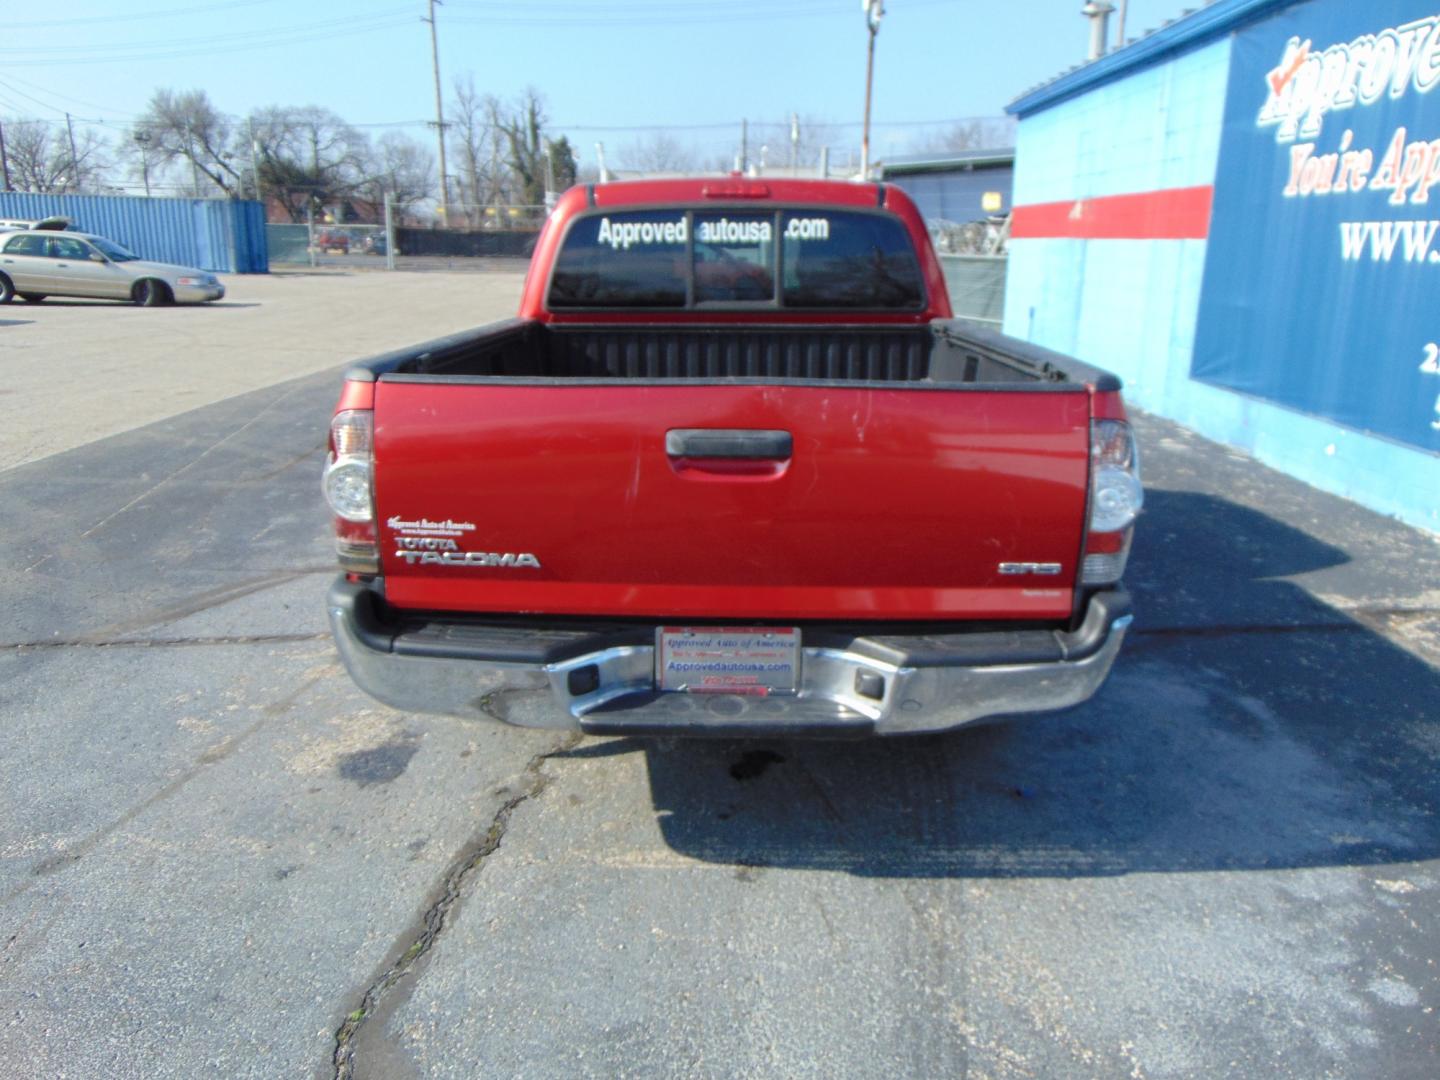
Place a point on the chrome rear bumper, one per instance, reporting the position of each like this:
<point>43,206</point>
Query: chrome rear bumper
<point>603,682</point>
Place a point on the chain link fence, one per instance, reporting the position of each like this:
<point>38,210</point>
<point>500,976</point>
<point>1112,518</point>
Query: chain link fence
<point>977,287</point>
<point>479,238</point>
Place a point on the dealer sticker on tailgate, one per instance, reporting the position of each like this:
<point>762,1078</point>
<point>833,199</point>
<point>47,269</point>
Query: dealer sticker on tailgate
<point>756,660</point>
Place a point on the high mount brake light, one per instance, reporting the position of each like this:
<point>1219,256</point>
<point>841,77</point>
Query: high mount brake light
<point>350,490</point>
<point>735,190</point>
<point>1116,498</point>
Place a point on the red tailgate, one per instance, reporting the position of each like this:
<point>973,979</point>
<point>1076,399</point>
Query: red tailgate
<point>887,504</point>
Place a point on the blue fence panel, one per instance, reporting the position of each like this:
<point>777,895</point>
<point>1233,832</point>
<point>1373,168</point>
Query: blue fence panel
<point>219,235</point>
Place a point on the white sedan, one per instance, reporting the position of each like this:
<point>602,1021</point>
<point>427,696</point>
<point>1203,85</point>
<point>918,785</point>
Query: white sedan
<point>38,263</point>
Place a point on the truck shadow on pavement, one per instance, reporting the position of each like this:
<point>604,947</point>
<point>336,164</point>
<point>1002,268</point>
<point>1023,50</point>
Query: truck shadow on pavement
<point>1246,726</point>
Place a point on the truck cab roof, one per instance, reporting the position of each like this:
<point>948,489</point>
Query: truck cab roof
<point>711,198</point>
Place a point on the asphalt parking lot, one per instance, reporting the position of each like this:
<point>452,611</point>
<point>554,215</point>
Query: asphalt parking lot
<point>77,370</point>
<point>219,858</point>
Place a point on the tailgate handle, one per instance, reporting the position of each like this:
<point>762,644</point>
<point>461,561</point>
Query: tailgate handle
<point>728,443</point>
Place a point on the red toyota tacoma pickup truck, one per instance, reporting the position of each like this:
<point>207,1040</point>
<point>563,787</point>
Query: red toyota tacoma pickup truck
<point>734,469</point>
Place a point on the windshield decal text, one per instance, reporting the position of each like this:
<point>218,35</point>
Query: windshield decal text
<point>726,231</point>
<point>807,229</point>
<point>620,235</point>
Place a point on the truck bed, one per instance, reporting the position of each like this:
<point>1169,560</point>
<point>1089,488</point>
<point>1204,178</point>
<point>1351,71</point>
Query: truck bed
<point>944,353</point>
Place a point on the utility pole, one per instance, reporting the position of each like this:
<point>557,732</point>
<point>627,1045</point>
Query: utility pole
<point>190,153</point>
<point>794,142</point>
<point>470,197</point>
<point>744,146</point>
<point>142,140</point>
<point>874,11</point>
<point>314,175</point>
<point>4,161</point>
<point>439,107</point>
<point>495,184</point>
<point>74,158</point>
<point>310,229</point>
<point>389,231</point>
<point>254,164</point>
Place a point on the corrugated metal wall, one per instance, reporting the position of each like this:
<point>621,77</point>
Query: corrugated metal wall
<point>219,235</point>
<point>956,194</point>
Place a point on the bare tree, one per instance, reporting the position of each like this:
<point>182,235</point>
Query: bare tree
<point>40,157</point>
<point>474,134</point>
<point>523,128</point>
<point>801,136</point>
<point>401,168</point>
<point>138,156</point>
<point>187,128</point>
<point>658,152</point>
<point>975,134</point>
<point>308,156</point>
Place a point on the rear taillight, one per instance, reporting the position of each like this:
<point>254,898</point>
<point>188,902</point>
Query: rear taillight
<point>1115,501</point>
<point>349,484</point>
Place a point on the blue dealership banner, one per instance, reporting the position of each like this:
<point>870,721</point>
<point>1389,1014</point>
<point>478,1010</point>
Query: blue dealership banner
<point>1322,277</point>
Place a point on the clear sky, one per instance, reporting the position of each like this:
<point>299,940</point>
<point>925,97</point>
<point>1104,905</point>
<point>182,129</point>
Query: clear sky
<point>603,67</point>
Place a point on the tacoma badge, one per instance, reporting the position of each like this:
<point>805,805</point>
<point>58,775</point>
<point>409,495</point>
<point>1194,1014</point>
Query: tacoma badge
<point>469,558</point>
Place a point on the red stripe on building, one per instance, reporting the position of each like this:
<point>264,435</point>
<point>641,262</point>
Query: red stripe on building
<point>1174,214</point>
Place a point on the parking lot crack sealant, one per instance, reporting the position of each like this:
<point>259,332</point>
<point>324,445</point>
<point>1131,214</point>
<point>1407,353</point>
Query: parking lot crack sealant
<point>165,643</point>
<point>469,862</point>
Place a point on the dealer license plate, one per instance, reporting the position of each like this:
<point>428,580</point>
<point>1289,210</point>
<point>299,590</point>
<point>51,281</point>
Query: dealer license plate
<point>758,660</point>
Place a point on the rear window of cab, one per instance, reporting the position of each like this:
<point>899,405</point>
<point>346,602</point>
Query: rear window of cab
<point>810,259</point>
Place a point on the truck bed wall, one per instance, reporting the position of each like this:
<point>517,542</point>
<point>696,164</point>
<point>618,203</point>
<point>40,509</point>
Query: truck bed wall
<point>835,353</point>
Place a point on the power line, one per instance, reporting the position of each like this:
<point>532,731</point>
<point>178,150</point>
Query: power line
<point>347,28</point>
<point>732,124</point>
<point>668,15</point>
<point>746,9</point>
<point>729,125</point>
<point>134,16</point>
<point>55,94</point>
<point>31,98</point>
<point>393,18</point>
<point>209,39</point>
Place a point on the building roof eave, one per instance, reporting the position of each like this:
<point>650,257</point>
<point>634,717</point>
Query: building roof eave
<point>1187,32</point>
<point>940,163</point>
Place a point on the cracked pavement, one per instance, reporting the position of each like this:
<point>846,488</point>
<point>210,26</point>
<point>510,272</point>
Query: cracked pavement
<point>219,858</point>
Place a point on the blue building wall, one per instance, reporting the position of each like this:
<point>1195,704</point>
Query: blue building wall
<point>1121,304</point>
<point>1131,306</point>
<point>219,235</point>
